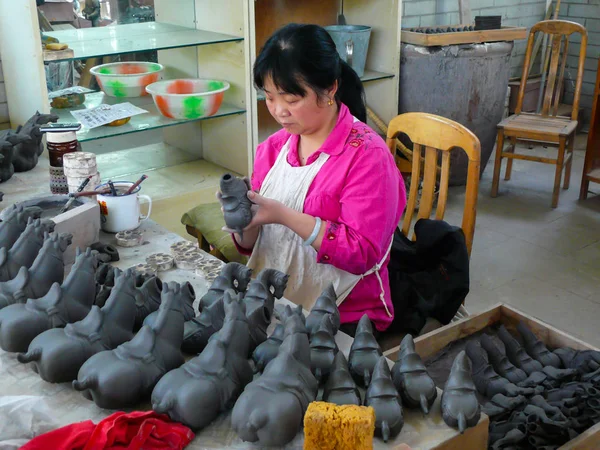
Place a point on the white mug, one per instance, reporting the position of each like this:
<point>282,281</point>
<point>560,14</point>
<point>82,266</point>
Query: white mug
<point>121,213</point>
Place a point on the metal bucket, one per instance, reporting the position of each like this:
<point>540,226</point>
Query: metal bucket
<point>352,43</point>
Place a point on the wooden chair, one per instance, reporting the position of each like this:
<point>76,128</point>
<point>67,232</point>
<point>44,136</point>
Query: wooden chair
<point>435,134</point>
<point>546,127</point>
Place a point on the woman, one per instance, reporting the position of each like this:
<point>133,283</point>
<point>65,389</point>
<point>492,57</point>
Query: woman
<point>328,195</point>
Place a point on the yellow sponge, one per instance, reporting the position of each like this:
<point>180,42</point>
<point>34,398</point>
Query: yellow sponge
<point>331,427</point>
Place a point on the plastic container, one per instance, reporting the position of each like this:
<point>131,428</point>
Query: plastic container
<point>352,44</point>
<point>127,79</point>
<point>60,144</point>
<point>190,98</point>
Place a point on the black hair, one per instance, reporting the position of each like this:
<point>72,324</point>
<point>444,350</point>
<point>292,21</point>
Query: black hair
<point>299,53</point>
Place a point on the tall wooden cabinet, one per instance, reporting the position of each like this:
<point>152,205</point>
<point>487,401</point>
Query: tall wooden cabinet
<point>591,166</point>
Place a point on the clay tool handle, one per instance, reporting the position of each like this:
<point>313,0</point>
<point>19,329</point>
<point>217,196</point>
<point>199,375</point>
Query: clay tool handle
<point>113,191</point>
<point>88,193</point>
<point>136,184</point>
<point>79,189</point>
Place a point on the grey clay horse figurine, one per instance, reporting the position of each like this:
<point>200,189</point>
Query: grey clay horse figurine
<point>14,223</point>
<point>7,153</point>
<point>122,377</point>
<point>323,349</point>
<point>324,305</point>
<point>237,206</point>
<point>188,296</point>
<point>58,354</point>
<point>197,392</point>
<point>340,387</point>
<point>26,154</point>
<point>47,269</point>
<point>234,276</point>
<point>364,352</point>
<point>25,250</point>
<point>66,303</point>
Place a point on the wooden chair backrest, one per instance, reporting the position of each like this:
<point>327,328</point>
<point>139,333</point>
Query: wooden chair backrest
<point>559,32</point>
<point>437,134</point>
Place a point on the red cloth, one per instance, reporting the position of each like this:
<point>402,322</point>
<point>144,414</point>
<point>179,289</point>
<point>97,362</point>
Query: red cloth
<point>131,431</point>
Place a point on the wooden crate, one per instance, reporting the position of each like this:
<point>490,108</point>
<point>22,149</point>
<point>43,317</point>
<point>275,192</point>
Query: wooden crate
<point>431,343</point>
<point>462,37</point>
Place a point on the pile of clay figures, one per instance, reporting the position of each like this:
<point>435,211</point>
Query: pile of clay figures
<point>537,398</point>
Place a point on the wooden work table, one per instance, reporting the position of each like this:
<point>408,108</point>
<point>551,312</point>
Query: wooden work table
<point>42,406</point>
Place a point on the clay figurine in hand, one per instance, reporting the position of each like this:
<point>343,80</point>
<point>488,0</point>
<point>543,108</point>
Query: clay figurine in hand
<point>188,295</point>
<point>27,153</point>
<point>536,348</point>
<point>383,397</point>
<point>236,205</point>
<point>322,350</point>
<point>105,280</point>
<point>234,276</point>
<point>364,352</point>
<point>47,269</point>
<point>340,387</point>
<point>267,351</point>
<point>59,353</point>
<point>487,381</point>
<point>271,409</point>
<point>149,297</point>
<point>585,361</point>
<point>14,223</point>
<point>325,304</point>
<point>197,392</point>
<point>7,152</point>
<point>20,323</point>
<point>25,250</point>
<point>500,362</point>
<point>517,354</point>
<point>198,330</point>
<point>460,407</point>
<point>411,379</point>
<point>120,378</point>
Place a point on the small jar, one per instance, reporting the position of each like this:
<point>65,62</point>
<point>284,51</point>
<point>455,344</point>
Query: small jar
<point>59,144</point>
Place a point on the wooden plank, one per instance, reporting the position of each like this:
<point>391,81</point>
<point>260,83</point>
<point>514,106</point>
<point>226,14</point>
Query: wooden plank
<point>475,438</point>
<point>594,175</point>
<point>540,159</point>
<point>588,440</point>
<point>463,37</point>
<point>56,55</point>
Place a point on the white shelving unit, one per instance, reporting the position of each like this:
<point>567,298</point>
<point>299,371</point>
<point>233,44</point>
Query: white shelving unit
<point>198,38</point>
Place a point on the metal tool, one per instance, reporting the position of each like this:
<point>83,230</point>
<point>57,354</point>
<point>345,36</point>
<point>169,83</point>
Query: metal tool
<point>72,199</point>
<point>112,188</point>
<point>136,184</point>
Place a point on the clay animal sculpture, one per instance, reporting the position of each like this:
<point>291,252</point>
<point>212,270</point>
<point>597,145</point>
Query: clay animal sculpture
<point>411,379</point>
<point>552,412</point>
<point>149,297</point>
<point>517,354</point>
<point>322,350</point>
<point>585,361</point>
<point>512,437</point>
<point>234,276</point>
<point>14,222</point>
<point>536,348</point>
<point>500,405</point>
<point>120,378</point>
<point>500,362</point>
<point>47,269</point>
<point>27,153</point>
<point>105,280</point>
<point>267,351</point>
<point>237,206</point>
<point>559,375</point>
<point>7,153</point>
<point>487,381</point>
<point>63,304</point>
<point>59,353</point>
<point>198,330</point>
<point>385,400</point>
<point>188,296</point>
<point>325,304</point>
<point>285,311</point>
<point>340,387</point>
<point>25,249</point>
<point>197,392</point>
<point>271,409</point>
<point>499,429</point>
<point>364,352</point>
<point>460,407</point>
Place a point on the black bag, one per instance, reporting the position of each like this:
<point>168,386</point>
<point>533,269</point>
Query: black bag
<point>428,277</point>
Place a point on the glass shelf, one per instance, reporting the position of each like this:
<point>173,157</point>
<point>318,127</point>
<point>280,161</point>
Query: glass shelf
<point>369,75</point>
<point>131,38</point>
<point>142,122</point>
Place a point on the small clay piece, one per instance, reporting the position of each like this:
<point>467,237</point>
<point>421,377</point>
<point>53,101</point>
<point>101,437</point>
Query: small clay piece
<point>59,353</point>
<point>182,247</point>
<point>533,380</point>
<point>322,350</point>
<point>120,378</point>
<point>14,222</point>
<point>107,250</point>
<point>549,424</point>
<point>130,238</point>
<point>211,275</point>
<point>585,361</point>
<point>499,429</point>
<point>198,330</point>
<point>47,269</point>
<point>500,362</point>
<point>340,387</point>
<point>237,206</point>
<point>551,411</point>
<point>560,375</point>
<point>500,405</point>
<point>188,296</point>
<point>267,351</point>
<point>160,261</point>
<point>536,348</point>
<point>383,397</point>
<point>188,260</point>
<point>517,354</point>
<point>234,276</point>
<point>25,249</point>
<point>364,352</point>
<point>325,304</point>
<point>149,296</point>
<point>411,379</point>
<point>144,269</point>
<point>512,437</point>
<point>20,323</point>
<point>208,264</point>
<point>197,392</point>
<point>271,409</point>
<point>460,407</point>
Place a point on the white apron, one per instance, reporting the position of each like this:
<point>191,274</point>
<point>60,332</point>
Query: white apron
<point>278,247</point>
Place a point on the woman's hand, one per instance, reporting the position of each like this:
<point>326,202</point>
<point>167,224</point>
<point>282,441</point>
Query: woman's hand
<point>265,211</point>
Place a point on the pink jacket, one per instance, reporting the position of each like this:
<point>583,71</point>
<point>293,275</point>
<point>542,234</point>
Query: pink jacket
<point>361,194</point>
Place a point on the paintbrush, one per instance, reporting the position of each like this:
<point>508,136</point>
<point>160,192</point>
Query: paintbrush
<point>136,184</point>
<point>112,188</point>
<point>72,199</point>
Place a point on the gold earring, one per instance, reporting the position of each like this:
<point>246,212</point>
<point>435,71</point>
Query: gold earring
<point>330,102</point>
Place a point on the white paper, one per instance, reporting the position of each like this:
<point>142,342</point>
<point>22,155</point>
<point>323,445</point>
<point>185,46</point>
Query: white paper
<point>67,91</point>
<point>103,114</point>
